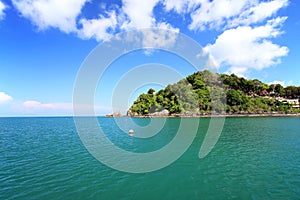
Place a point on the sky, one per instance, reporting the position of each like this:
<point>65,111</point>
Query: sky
<point>44,43</point>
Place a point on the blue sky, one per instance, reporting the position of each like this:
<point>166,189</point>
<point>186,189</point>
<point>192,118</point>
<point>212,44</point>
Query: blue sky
<point>43,43</point>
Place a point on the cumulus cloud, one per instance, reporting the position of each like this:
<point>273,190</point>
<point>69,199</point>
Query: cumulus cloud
<point>134,14</point>
<point>140,13</point>
<point>178,6</point>
<point>100,29</point>
<point>4,98</point>
<point>217,14</point>
<point>60,14</point>
<point>214,14</point>
<point>245,48</point>
<point>2,8</point>
<point>164,36</point>
<point>258,13</point>
<point>246,27</point>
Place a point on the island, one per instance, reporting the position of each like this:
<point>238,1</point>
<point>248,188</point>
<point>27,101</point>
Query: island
<point>205,94</point>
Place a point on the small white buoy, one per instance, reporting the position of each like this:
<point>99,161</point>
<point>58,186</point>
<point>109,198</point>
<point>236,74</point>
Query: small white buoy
<point>131,132</point>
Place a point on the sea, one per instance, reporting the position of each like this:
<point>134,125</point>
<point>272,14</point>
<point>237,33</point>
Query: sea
<point>251,158</point>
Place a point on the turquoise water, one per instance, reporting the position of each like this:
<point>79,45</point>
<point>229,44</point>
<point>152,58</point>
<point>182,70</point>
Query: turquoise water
<point>255,158</point>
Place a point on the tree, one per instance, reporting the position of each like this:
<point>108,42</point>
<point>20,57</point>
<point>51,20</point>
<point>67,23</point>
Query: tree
<point>279,90</point>
<point>236,98</point>
<point>202,92</point>
<point>292,92</point>
<point>151,91</point>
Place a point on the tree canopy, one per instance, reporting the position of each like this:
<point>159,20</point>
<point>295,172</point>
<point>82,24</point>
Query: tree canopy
<point>206,92</point>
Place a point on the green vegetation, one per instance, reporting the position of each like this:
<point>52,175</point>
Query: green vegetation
<point>205,93</point>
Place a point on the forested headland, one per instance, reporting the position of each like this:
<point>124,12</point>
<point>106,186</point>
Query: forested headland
<point>206,93</point>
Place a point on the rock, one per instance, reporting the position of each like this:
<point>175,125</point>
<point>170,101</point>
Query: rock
<point>115,114</point>
<point>163,113</point>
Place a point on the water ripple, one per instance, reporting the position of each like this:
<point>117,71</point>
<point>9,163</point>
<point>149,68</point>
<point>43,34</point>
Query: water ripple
<point>255,158</point>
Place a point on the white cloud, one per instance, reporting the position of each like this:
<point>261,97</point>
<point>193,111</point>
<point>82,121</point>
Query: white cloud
<point>205,14</point>
<point>258,13</point>
<point>164,36</point>
<point>244,44</point>
<point>2,8</point>
<point>51,13</point>
<point>177,5</point>
<point>100,29</point>
<point>4,98</point>
<point>140,13</point>
<point>134,14</point>
<point>182,7</point>
<point>214,14</point>
<point>62,14</point>
<point>245,48</point>
<point>226,13</point>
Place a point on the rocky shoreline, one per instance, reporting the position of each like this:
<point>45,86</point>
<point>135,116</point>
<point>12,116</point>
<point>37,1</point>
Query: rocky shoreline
<point>221,115</point>
<point>166,114</point>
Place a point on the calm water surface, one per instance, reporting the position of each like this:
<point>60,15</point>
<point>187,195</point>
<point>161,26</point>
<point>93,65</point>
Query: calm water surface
<point>255,158</point>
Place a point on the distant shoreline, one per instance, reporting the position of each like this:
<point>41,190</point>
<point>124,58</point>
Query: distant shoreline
<point>214,115</point>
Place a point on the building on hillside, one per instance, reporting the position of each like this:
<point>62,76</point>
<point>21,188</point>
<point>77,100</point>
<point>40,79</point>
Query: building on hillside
<point>263,93</point>
<point>293,102</point>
